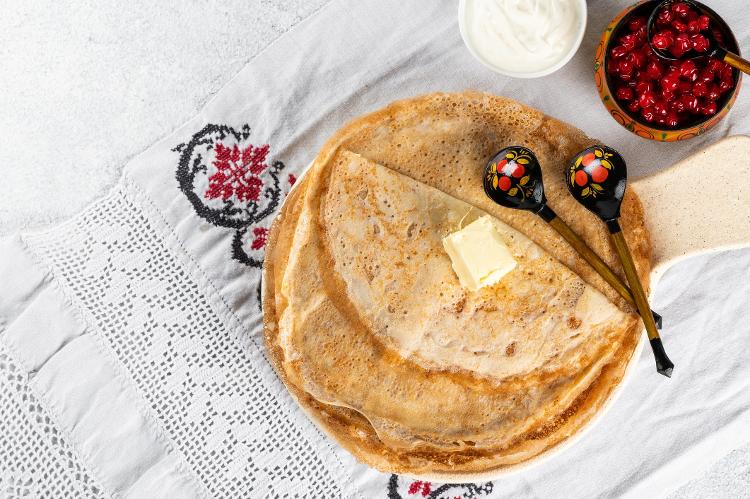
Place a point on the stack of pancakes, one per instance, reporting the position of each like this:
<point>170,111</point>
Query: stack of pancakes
<point>370,329</point>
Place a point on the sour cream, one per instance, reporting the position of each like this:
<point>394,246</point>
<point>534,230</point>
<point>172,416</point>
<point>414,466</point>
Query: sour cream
<point>523,37</point>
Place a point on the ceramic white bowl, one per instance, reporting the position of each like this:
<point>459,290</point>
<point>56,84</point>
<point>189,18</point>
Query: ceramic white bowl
<point>583,12</point>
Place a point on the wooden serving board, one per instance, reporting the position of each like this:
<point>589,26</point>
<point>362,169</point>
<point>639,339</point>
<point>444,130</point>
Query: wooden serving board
<point>699,205</point>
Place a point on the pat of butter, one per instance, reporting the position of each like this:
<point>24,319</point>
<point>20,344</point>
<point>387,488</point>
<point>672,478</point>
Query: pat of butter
<point>478,254</point>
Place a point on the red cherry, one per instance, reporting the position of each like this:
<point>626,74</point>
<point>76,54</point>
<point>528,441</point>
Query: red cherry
<point>713,92</point>
<point>618,51</point>
<point>633,106</point>
<point>677,51</point>
<point>670,82</point>
<point>681,45</point>
<point>700,88</point>
<point>626,67</point>
<point>688,70</point>
<point>648,114</point>
<point>677,105</point>
<point>641,34</point>
<point>679,26</point>
<point>629,41</point>
<point>661,108</point>
<point>647,99</point>
<point>504,183</point>
<point>672,119</point>
<point>643,86</point>
<point>639,58</point>
<point>599,174</point>
<point>725,86</point>
<point>680,9</point>
<point>710,108</point>
<point>667,95</point>
<point>691,103</point>
<point>518,171</point>
<point>673,72</point>
<point>581,178</point>
<point>636,23</point>
<point>706,76</point>
<point>664,16</point>
<point>700,43</point>
<point>654,69</point>
<point>663,40</point>
<point>704,22</point>
<point>694,27</point>
<point>727,73</point>
<point>624,94</point>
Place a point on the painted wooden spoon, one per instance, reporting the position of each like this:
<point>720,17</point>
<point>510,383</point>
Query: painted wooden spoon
<point>513,179</point>
<point>597,177</point>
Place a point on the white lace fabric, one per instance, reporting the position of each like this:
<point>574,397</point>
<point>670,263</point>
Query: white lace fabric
<point>201,382</point>
<point>37,460</point>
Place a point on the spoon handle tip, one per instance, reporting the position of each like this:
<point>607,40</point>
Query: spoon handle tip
<point>664,366</point>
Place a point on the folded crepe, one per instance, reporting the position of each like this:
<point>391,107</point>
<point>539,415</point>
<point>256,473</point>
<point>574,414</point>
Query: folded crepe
<point>370,329</point>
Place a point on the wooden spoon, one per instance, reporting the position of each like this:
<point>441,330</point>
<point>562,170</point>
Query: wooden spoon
<point>597,177</point>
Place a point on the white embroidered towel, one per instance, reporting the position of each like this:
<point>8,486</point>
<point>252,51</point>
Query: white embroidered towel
<point>131,359</point>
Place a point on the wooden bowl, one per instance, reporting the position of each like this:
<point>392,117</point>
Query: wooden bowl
<point>633,121</point>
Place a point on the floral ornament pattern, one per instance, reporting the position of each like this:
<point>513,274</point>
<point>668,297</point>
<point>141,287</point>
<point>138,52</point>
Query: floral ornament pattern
<point>232,184</point>
<point>509,174</point>
<point>237,172</point>
<point>403,488</point>
<point>590,170</point>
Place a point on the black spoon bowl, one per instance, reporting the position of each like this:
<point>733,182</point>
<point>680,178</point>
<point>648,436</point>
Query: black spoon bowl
<point>715,49</point>
<point>513,179</point>
<point>597,177</point>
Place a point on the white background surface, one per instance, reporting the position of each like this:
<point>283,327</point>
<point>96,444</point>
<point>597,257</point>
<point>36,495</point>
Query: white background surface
<point>87,85</point>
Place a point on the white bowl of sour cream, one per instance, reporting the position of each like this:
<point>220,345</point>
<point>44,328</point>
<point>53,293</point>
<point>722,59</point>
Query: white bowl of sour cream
<point>522,38</point>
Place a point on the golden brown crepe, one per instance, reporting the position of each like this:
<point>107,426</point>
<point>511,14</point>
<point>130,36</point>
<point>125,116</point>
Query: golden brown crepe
<point>370,329</point>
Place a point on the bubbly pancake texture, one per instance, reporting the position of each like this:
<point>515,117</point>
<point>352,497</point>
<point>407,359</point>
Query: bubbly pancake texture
<point>371,331</point>
<point>384,234</point>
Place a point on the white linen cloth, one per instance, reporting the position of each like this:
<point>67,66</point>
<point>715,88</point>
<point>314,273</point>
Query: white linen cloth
<point>131,355</point>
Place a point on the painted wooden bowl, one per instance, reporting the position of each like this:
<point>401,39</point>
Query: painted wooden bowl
<point>633,121</point>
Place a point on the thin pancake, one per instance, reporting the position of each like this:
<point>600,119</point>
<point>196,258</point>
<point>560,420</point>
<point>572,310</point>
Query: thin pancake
<point>432,452</point>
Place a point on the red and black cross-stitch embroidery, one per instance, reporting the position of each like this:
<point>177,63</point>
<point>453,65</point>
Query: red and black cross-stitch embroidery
<point>231,183</point>
<point>404,488</point>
